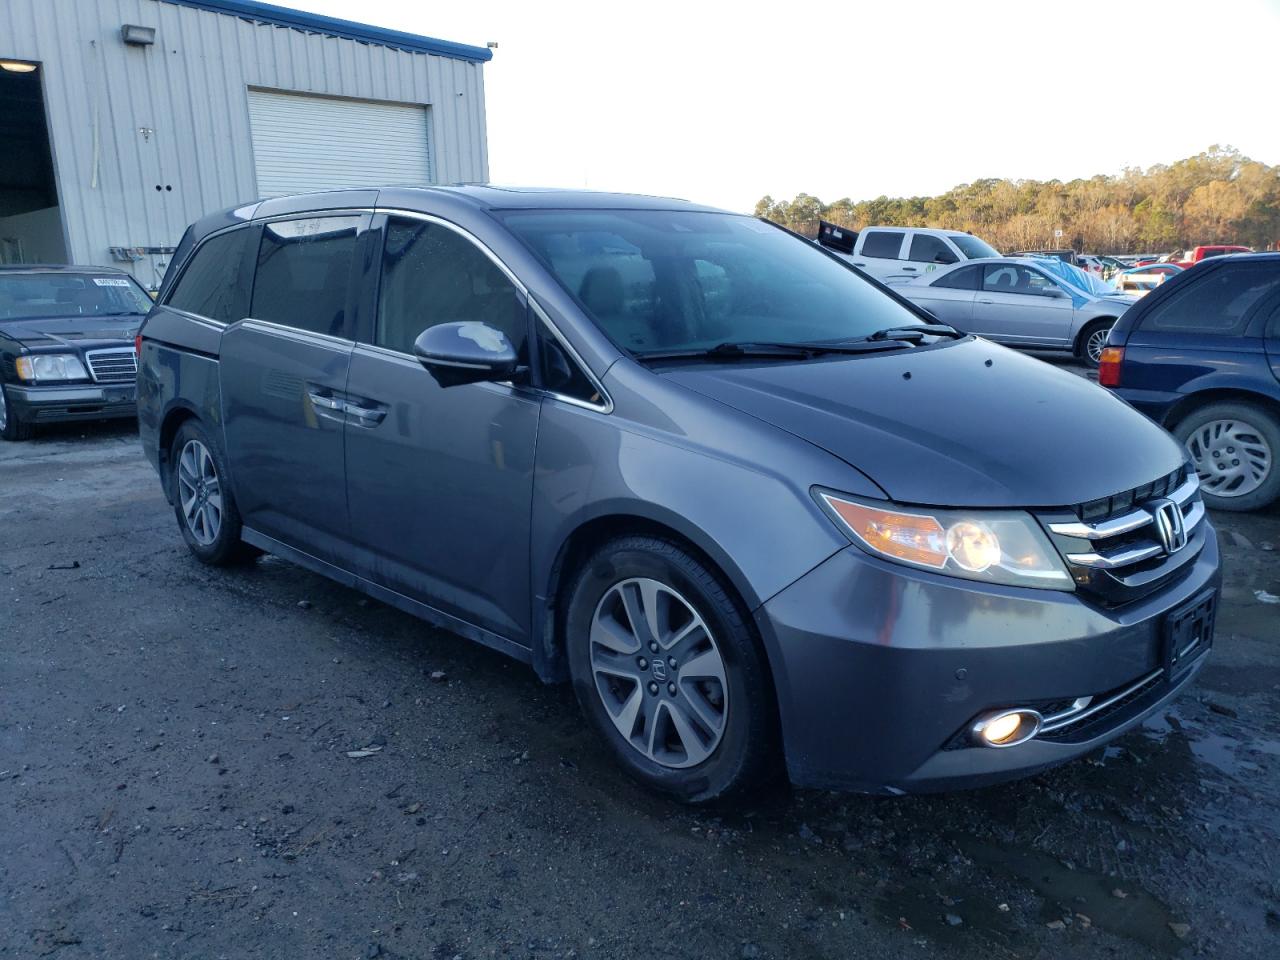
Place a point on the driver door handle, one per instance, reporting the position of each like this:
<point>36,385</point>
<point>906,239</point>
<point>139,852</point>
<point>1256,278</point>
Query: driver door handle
<point>986,301</point>
<point>367,416</point>
<point>324,401</point>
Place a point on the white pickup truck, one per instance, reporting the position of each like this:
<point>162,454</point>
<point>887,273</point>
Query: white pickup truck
<point>901,253</point>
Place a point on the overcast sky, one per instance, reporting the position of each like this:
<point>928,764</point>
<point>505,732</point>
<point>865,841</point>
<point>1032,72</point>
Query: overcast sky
<point>723,102</point>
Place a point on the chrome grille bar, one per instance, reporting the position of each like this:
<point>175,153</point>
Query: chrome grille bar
<point>1086,707</point>
<point>119,365</point>
<point>1135,520</point>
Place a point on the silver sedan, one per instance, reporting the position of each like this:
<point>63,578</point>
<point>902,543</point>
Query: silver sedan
<point>1034,302</point>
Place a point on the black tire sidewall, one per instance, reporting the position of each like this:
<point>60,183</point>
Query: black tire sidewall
<point>1265,423</point>
<point>227,546</point>
<point>745,751</point>
<point>15,429</point>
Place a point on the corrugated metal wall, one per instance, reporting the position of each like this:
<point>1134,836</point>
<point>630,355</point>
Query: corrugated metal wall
<point>125,120</point>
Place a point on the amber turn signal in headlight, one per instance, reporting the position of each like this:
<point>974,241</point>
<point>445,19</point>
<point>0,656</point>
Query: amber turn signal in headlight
<point>1000,546</point>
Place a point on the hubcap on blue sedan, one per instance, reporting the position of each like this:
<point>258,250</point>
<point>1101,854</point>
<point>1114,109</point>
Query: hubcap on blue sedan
<point>659,673</point>
<point>4,409</point>
<point>1231,457</point>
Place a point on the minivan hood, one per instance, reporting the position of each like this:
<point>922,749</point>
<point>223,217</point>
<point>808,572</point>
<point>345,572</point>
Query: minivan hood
<point>968,424</point>
<point>69,331</point>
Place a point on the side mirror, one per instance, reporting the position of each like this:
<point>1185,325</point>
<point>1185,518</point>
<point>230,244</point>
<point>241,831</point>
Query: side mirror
<point>465,352</point>
<point>945,258</point>
<point>1053,293</point>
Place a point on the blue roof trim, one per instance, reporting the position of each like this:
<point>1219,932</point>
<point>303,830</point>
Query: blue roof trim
<point>345,29</point>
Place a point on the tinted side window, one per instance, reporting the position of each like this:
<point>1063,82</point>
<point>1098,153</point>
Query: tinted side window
<point>304,273</point>
<point>1218,303</point>
<point>212,284</point>
<point>1015,278</point>
<point>927,249</point>
<point>882,243</point>
<point>431,275</point>
<point>966,278</point>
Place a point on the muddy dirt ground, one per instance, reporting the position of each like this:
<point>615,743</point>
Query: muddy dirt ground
<point>175,783</point>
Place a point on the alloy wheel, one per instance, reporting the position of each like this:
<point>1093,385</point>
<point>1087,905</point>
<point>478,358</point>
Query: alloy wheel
<point>4,409</point>
<point>1093,346</point>
<point>659,673</point>
<point>200,492</point>
<point>1232,457</point>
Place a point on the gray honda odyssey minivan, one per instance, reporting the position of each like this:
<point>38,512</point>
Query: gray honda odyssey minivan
<point>764,513</point>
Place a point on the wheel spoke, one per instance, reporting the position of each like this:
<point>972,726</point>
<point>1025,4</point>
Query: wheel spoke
<point>610,634</point>
<point>706,665</point>
<point>710,717</point>
<point>618,665</point>
<point>694,749</point>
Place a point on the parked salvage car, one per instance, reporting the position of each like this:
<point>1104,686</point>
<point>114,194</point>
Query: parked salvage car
<point>902,253</point>
<point>1201,356</point>
<point>759,509</point>
<point>1140,281</point>
<point>66,345</point>
<point>1038,302</point>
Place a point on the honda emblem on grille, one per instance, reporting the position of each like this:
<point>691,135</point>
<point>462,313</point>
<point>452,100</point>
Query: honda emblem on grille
<point>1169,526</point>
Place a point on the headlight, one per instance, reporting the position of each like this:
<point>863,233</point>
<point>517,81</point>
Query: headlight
<point>997,546</point>
<point>48,367</point>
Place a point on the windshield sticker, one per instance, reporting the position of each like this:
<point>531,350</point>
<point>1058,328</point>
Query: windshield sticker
<point>111,281</point>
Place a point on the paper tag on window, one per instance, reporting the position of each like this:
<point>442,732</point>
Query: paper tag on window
<point>111,281</point>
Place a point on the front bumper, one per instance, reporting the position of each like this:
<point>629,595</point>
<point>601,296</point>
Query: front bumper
<point>47,404</point>
<point>879,667</point>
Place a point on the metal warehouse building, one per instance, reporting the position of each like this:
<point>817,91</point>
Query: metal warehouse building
<point>122,121</point>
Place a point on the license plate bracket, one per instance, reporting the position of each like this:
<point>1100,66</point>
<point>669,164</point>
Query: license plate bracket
<point>1188,633</point>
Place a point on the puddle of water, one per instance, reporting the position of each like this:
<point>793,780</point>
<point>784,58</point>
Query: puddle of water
<point>1139,916</point>
<point>1225,754</point>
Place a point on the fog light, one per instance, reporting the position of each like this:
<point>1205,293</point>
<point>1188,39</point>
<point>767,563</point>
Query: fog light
<point>1006,728</point>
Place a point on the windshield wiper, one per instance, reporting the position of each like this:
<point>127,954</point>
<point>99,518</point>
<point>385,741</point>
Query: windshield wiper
<point>912,331</point>
<point>761,350</point>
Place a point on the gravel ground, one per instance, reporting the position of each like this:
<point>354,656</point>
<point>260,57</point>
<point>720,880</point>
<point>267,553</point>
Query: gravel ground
<point>176,781</point>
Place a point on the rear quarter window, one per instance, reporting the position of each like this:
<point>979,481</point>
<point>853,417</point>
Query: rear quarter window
<point>212,285</point>
<point>884,244</point>
<point>1220,304</point>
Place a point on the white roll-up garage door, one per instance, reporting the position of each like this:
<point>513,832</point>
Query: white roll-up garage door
<point>303,142</point>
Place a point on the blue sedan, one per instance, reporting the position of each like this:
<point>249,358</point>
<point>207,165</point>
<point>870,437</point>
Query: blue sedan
<point>1201,356</point>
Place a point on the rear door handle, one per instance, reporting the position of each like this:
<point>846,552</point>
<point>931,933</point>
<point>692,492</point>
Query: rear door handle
<point>986,301</point>
<point>325,403</point>
<point>909,269</point>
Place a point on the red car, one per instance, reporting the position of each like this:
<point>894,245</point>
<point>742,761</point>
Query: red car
<point>1196,254</point>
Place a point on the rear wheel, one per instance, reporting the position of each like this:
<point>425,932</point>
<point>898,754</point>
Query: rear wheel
<point>669,671</point>
<point>1235,448</point>
<point>205,508</point>
<point>1092,339</point>
<point>11,428</point>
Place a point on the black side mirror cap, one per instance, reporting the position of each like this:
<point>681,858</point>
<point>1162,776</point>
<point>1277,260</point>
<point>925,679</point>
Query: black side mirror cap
<point>466,352</point>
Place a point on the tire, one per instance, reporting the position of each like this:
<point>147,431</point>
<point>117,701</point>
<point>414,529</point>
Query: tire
<point>1089,344</point>
<point>11,428</point>
<point>1246,474</point>
<point>202,502</point>
<point>692,737</point>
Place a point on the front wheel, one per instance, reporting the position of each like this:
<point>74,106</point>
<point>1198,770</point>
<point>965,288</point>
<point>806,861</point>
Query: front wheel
<point>669,671</point>
<point>1234,447</point>
<point>1092,340</point>
<point>205,508</point>
<point>11,428</point>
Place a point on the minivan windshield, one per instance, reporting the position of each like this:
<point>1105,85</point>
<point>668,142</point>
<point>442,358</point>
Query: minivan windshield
<point>658,281</point>
<point>25,296</point>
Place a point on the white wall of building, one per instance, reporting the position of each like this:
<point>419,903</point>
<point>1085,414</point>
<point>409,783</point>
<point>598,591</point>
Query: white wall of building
<point>124,120</point>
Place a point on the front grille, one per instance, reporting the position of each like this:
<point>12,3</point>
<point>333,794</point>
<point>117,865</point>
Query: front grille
<point>113,366</point>
<point>1113,546</point>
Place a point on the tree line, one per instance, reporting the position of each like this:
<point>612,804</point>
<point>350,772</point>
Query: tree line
<point>1219,196</point>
